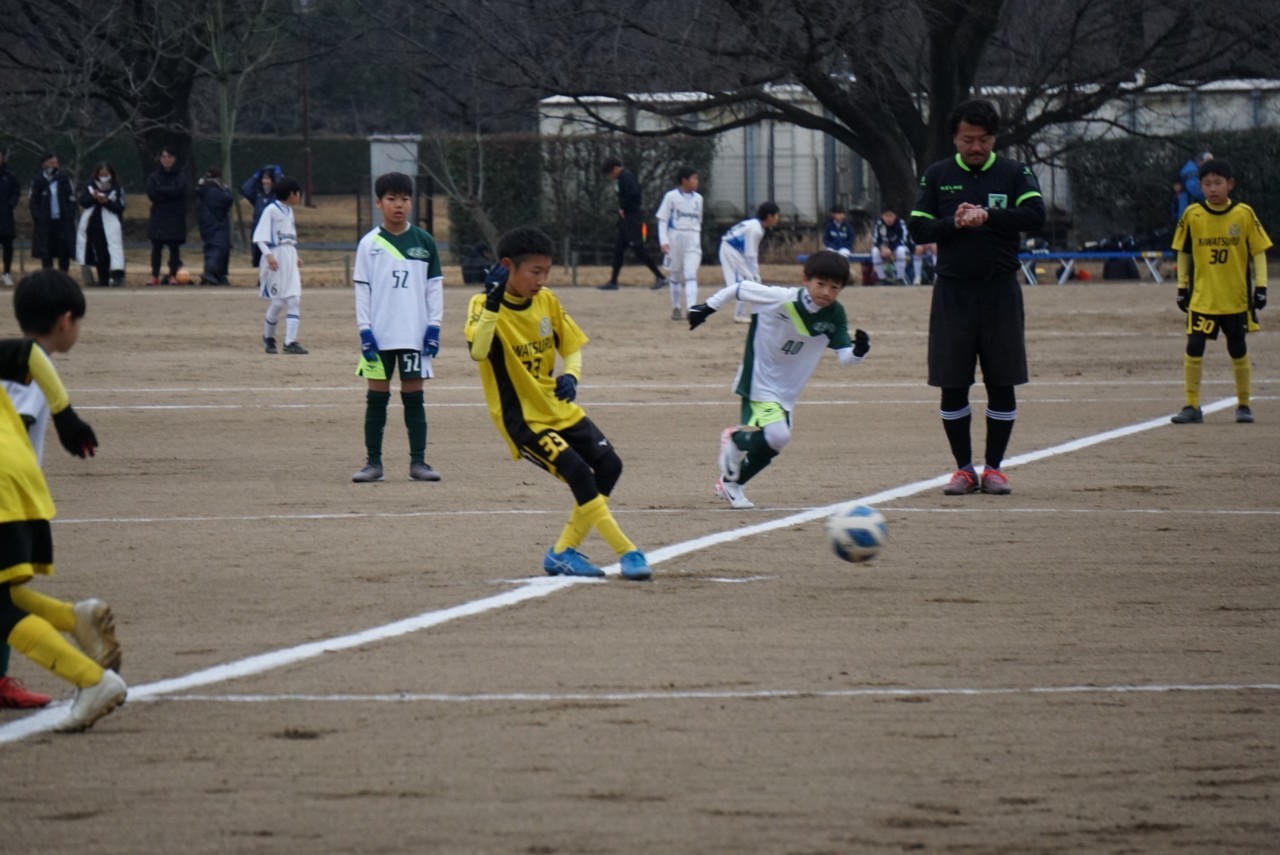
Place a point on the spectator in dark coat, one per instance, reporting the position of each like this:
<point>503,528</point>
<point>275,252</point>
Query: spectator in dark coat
<point>167,190</point>
<point>10,192</point>
<point>52,203</point>
<point>215,225</point>
<point>259,189</point>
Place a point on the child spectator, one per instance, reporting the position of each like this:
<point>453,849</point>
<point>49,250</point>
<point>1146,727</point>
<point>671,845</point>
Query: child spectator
<point>1217,238</point>
<point>10,192</point>
<point>680,236</point>
<point>279,277</point>
<point>791,328</point>
<point>740,251</point>
<point>167,226</point>
<point>891,242</point>
<point>99,236</point>
<point>49,306</point>
<point>215,225</point>
<point>399,287</point>
<point>259,189</point>
<point>837,234</point>
<point>514,332</point>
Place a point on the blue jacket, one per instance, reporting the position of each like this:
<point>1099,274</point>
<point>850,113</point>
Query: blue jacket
<point>1190,176</point>
<point>837,236</point>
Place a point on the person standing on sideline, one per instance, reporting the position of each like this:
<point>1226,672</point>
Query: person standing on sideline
<point>630,224</point>
<point>740,251</point>
<point>167,226</point>
<point>10,192</point>
<point>837,234</point>
<point>259,189</point>
<point>680,236</point>
<point>214,213</point>
<point>1215,241</point>
<point>53,215</point>
<point>974,207</point>
<point>279,275</point>
<point>1190,176</point>
<point>514,332</point>
<point>99,236</point>
<point>399,285</point>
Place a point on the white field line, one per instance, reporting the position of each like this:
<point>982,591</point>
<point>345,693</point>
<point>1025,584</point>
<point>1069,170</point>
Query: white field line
<point>534,588</point>
<point>716,695</point>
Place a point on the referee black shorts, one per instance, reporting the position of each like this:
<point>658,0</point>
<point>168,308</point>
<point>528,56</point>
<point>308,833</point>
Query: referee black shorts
<point>977,322</point>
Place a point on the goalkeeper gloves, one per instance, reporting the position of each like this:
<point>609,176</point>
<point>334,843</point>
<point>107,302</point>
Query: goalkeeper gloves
<point>1260,298</point>
<point>75,436</point>
<point>861,343</point>
<point>698,315</point>
<point>1184,299</point>
<point>566,387</point>
<point>431,343</point>
<point>368,346</point>
<point>495,287</point>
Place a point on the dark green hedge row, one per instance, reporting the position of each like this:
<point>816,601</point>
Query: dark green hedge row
<point>1125,186</point>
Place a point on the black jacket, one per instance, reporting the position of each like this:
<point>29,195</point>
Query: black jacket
<point>629,193</point>
<point>9,194</point>
<point>40,204</point>
<point>167,191</point>
<point>214,209</point>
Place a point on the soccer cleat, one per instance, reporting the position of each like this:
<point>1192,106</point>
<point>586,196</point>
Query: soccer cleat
<point>294,347</point>
<point>676,314</point>
<point>370,472</point>
<point>269,344</point>
<point>742,319</point>
<point>962,481</point>
<point>731,456</point>
<point>608,286</point>
<point>732,493</point>
<point>1244,416</point>
<point>571,562</point>
<point>635,567</point>
<point>995,482</point>
<point>15,696</point>
<point>92,703</point>
<point>422,472</point>
<point>8,280</point>
<point>95,632</point>
<point>1188,415</point>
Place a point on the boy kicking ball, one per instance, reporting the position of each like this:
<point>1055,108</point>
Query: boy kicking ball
<point>515,331</point>
<point>790,329</point>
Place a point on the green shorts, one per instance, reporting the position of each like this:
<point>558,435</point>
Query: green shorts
<point>761,413</point>
<point>384,366</point>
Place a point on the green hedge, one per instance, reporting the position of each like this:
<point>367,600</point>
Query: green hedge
<point>1124,186</point>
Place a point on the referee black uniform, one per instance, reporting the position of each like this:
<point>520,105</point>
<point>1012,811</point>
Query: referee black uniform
<point>630,230</point>
<point>976,317</point>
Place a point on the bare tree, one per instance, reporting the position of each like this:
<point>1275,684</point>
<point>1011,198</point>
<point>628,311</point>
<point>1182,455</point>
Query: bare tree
<point>884,73</point>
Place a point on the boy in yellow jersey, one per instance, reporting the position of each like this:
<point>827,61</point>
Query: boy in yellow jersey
<point>29,621</point>
<point>515,331</point>
<point>1216,239</point>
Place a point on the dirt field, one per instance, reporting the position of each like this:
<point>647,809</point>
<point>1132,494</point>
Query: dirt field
<point>1088,665</point>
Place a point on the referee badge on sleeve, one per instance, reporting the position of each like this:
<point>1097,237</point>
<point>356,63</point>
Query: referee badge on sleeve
<point>997,200</point>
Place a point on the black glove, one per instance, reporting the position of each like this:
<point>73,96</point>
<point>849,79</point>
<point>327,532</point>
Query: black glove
<point>1184,299</point>
<point>861,343</point>
<point>566,387</point>
<point>1260,298</point>
<point>698,315</point>
<point>75,436</point>
<point>495,287</point>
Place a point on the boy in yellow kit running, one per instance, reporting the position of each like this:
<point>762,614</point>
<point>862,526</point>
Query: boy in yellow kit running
<point>515,331</point>
<point>1216,240</point>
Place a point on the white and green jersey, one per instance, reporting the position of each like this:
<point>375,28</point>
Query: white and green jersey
<point>785,341</point>
<point>399,287</point>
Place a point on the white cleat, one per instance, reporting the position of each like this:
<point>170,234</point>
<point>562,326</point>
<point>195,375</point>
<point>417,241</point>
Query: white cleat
<point>732,493</point>
<point>95,632</point>
<point>92,703</point>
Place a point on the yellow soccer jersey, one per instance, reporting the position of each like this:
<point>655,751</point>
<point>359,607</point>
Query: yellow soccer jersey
<point>1221,244</point>
<point>519,374</point>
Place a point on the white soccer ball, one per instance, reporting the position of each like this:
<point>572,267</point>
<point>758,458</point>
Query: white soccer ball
<point>857,532</point>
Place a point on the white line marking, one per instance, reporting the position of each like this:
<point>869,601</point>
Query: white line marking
<point>534,588</point>
<point>730,694</point>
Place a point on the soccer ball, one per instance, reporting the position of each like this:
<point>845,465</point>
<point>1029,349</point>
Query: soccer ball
<point>183,276</point>
<point>857,532</point>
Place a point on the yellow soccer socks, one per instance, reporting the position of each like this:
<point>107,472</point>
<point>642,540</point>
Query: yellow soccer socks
<point>595,514</point>
<point>1192,369</point>
<point>61,615</point>
<point>1244,376</point>
<point>40,642</point>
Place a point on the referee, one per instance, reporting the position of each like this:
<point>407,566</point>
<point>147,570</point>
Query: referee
<point>974,207</point>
